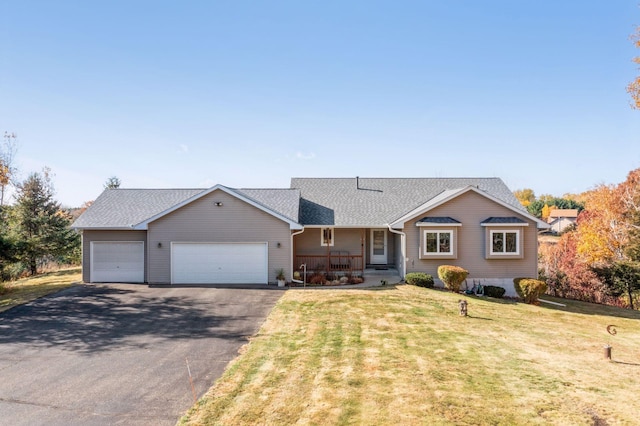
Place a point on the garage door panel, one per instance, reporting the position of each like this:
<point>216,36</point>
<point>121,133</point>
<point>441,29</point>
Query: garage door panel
<point>219,263</point>
<point>117,261</point>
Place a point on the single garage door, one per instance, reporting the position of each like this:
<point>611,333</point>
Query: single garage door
<point>219,263</point>
<point>117,262</point>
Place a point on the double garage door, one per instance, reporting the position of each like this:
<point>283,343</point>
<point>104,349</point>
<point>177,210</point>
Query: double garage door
<point>191,263</point>
<point>219,263</point>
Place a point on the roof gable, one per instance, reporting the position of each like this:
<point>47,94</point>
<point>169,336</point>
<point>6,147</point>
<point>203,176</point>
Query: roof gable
<point>446,196</point>
<point>134,209</point>
<point>376,202</point>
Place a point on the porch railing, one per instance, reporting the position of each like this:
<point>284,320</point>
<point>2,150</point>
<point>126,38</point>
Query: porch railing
<point>337,263</point>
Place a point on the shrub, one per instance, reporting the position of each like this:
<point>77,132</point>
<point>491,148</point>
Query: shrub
<point>452,276</point>
<point>420,279</point>
<point>529,289</point>
<point>317,279</point>
<point>494,291</point>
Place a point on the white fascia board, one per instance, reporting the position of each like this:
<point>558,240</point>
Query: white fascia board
<point>292,225</point>
<point>106,228</point>
<point>429,205</point>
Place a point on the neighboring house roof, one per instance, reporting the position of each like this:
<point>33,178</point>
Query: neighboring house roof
<point>136,208</point>
<point>379,201</point>
<point>562,213</point>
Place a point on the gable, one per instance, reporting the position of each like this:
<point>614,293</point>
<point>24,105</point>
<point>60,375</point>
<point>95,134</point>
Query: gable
<point>376,202</point>
<point>134,209</point>
<point>214,214</point>
<point>469,198</point>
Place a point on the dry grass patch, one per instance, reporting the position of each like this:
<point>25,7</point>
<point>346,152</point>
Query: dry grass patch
<point>15,293</point>
<point>403,355</point>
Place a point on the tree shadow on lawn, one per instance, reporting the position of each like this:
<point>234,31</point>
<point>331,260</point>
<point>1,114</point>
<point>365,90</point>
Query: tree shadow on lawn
<point>573,306</point>
<point>588,308</point>
<point>92,319</point>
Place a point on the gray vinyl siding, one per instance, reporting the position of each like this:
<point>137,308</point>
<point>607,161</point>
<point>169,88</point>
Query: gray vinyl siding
<point>203,221</point>
<point>88,236</point>
<point>471,209</point>
<point>344,239</point>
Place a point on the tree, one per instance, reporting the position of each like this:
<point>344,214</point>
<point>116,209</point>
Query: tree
<point>7,154</point>
<point>41,227</point>
<point>623,278</point>
<point>546,211</point>
<point>602,228</point>
<point>526,196</point>
<point>112,183</point>
<point>634,87</point>
<point>630,194</point>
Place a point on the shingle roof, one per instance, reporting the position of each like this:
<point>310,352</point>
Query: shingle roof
<point>309,201</point>
<point>378,201</point>
<point>125,208</point>
<point>283,201</point>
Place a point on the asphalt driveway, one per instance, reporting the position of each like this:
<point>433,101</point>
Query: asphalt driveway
<point>116,354</point>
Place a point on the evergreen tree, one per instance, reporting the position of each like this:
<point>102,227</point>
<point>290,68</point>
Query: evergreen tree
<point>40,226</point>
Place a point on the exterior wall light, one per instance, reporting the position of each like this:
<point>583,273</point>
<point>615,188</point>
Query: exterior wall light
<point>218,203</point>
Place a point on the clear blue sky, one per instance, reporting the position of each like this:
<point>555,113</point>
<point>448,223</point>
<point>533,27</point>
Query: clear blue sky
<point>251,93</point>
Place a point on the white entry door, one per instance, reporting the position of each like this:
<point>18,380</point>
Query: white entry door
<point>379,246</point>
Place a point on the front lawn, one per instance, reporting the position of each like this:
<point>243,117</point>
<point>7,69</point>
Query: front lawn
<point>403,355</point>
<point>15,293</point>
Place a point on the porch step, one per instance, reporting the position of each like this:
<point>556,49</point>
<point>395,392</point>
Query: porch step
<point>385,270</point>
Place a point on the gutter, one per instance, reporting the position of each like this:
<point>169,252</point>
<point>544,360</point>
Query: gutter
<point>403,249</point>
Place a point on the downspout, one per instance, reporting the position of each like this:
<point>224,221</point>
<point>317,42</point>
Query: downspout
<point>403,249</point>
<point>291,246</point>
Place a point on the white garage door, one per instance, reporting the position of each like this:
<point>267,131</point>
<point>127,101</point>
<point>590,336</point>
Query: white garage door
<point>117,262</point>
<point>219,263</point>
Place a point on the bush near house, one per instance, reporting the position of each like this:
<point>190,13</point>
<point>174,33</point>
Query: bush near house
<point>494,291</point>
<point>419,279</point>
<point>529,289</point>
<point>452,276</point>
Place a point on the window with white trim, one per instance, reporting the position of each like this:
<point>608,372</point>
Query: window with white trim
<point>505,242</point>
<point>438,242</point>
<point>326,236</point>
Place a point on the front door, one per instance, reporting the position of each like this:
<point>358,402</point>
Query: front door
<point>379,246</point>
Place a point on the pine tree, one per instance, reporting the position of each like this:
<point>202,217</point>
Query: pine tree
<point>41,227</point>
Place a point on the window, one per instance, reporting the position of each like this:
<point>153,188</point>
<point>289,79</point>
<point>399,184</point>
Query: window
<point>506,242</point>
<point>326,236</point>
<point>438,242</point>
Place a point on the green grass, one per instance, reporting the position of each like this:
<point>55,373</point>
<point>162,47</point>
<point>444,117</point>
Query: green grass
<point>14,293</point>
<point>403,355</point>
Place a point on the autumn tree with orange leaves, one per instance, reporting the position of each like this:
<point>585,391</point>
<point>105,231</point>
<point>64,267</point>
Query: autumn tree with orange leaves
<point>634,87</point>
<point>600,260</point>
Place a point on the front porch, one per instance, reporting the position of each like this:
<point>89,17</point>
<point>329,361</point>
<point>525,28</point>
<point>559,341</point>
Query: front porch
<point>336,263</point>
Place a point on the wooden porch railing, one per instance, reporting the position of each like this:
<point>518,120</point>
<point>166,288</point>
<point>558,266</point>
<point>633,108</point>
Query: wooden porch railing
<point>332,263</point>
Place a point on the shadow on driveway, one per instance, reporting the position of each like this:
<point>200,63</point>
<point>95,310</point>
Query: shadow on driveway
<point>105,354</point>
<point>100,318</point>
